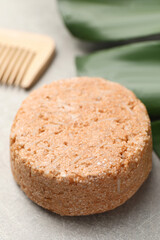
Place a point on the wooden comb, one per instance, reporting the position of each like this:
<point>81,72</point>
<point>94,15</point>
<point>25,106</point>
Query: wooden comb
<point>23,57</point>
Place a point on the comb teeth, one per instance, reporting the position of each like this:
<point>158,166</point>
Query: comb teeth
<point>23,57</point>
<point>14,63</point>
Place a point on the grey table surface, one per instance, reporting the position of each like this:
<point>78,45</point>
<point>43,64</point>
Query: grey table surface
<point>20,219</point>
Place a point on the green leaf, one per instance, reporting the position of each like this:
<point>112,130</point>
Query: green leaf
<point>136,66</point>
<point>107,20</point>
<point>156,136</point>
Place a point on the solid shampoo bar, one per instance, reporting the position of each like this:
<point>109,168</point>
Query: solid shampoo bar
<point>81,146</point>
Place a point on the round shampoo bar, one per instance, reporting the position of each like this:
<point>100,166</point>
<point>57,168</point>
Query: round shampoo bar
<point>81,146</point>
